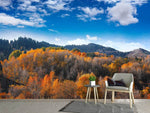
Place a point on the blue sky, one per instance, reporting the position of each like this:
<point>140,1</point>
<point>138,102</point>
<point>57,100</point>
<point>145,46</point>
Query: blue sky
<point>120,24</point>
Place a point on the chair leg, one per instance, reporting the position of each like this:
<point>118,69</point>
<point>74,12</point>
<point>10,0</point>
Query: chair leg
<point>132,97</point>
<point>130,100</point>
<point>113,94</point>
<point>105,96</point>
<point>87,95</point>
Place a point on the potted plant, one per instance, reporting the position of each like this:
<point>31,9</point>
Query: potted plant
<point>92,80</point>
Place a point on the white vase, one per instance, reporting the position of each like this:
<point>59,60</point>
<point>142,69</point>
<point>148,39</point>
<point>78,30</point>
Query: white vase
<point>92,83</point>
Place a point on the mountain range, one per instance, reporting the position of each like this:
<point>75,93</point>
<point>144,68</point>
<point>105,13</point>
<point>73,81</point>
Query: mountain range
<point>91,47</point>
<point>6,47</point>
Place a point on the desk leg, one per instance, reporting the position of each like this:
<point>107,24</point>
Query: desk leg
<point>95,95</point>
<point>87,95</point>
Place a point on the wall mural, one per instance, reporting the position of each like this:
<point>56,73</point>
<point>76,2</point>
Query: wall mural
<point>50,48</point>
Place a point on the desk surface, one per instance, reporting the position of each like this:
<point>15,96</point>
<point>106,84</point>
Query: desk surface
<point>92,86</point>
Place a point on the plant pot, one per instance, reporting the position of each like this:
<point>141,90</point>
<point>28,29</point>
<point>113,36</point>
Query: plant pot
<point>92,83</point>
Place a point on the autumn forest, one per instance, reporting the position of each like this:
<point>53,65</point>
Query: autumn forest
<point>54,72</point>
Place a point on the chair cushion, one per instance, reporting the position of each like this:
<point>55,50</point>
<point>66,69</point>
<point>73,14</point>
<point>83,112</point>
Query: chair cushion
<point>110,82</point>
<point>120,83</point>
<point>115,83</point>
<point>118,88</point>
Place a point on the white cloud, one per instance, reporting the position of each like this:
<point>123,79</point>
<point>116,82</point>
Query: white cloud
<point>89,13</point>
<point>34,12</point>
<point>31,8</point>
<point>20,26</point>
<point>52,30</point>
<point>77,41</point>
<point>92,11</point>
<point>36,19</point>
<point>122,12</point>
<point>35,0</point>
<point>26,5</point>
<point>58,4</point>
<point>138,2</point>
<point>64,15</point>
<point>91,38</point>
<point>109,1</point>
<point>9,20</point>
<point>51,2</point>
<point>42,11</point>
<point>57,39</point>
<point>123,46</point>
<point>5,4</point>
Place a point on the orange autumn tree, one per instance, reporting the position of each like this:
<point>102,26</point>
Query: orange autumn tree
<point>146,92</point>
<point>46,85</point>
<point>83,80</point>
<point>17,91</point>
<point>126,67</point>
<point>69,89</point>
<point>64,89</point>
<point>21,96</point>
<point>33,87</point>
<point>56,88</point>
